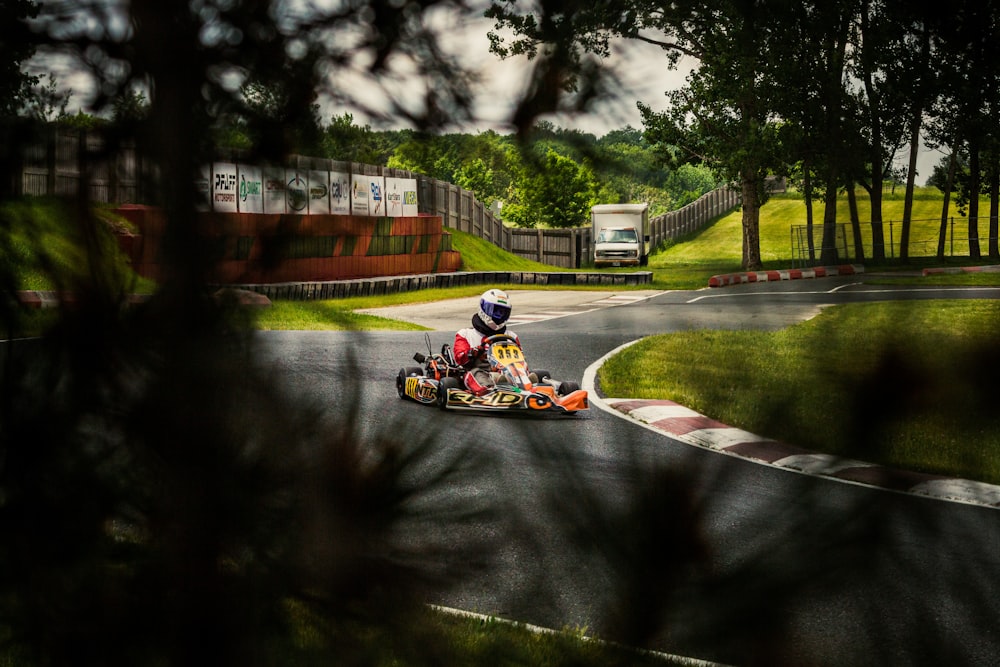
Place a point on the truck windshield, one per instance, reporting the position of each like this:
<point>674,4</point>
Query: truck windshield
<point>617,236</point>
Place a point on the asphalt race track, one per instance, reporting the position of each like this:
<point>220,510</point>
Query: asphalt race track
<point>594,521</point>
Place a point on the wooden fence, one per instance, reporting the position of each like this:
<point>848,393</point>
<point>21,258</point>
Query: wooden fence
<point>70,158</point>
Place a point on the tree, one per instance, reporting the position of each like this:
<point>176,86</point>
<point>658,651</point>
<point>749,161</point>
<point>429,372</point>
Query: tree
<point>551,191</point>
<point>16,46</point>
<point>968,85</point>
<point>689,182</point>
<point>722,118</point>
<point>344,141</point>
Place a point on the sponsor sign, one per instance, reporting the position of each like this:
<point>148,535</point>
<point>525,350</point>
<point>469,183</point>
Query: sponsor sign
<point>360,189</point>
<point>296,192</point>
<point>376,198</point>
<point>340,193</point>
<point>203,187</point>
<point>409,188</point>
<point>393,196</point>
<point>274,189</point>
<point>319,192</point>
<point>400,197</point>
<point>250,198</point>
<point>232,188</point>
<point>224,188</point>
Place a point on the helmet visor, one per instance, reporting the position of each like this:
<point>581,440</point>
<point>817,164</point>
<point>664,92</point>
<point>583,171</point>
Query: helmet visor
<point>498,312</point>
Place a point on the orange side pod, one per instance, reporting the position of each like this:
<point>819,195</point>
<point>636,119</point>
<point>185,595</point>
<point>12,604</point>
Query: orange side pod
<point>575,401</point>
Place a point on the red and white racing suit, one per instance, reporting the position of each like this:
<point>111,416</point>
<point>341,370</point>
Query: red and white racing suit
<point>468,351</point>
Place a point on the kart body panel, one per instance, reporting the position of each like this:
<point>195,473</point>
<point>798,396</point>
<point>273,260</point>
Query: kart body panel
<point>439,382</point>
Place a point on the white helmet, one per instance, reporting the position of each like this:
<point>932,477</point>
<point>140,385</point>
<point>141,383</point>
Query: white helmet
<point>494,308</point>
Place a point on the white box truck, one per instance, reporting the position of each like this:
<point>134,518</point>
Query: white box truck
<point>621,232</point>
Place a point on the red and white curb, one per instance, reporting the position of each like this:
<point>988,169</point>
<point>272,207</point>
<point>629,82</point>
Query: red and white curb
<point>961,269</point>
<point>692,428</point>
<point>784,274</point>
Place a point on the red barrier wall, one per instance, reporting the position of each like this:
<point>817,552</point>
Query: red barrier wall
<point>256,249</point>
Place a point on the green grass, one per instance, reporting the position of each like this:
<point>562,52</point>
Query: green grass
<point>475,641</point>
<point>900,383</point>
<point>718,249</point>
<point>324,316</point>
<point>480,255</point>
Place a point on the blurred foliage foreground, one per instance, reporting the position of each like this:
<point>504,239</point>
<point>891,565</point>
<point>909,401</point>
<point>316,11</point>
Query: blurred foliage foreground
<point>169,497</point>
<point>166,498</point>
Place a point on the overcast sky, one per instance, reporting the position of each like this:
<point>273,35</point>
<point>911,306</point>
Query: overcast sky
<point>642,69</point>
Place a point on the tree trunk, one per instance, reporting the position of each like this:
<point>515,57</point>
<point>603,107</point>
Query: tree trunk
<point>994,172</point>
<point>974,181</point>
<point>875,145</point>
<point>828,253</point>
<point>859,244</point>
<point>911,174</point>
<point>807,187</point>
<point>751,225</point>
<point>943,230</point>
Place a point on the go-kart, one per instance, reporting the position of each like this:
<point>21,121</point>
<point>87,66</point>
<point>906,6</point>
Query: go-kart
<point>439,381</point>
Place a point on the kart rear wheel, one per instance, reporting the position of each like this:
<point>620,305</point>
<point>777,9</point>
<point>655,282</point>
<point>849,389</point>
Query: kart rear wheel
<point>542,375</point>
<point>567,387</point>
<point>442,395</point>
<point>409,371</point>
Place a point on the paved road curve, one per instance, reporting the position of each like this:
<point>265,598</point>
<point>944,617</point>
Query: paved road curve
<point>594,521</point>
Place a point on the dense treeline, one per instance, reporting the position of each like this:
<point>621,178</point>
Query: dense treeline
<point>551,180</point>
<point>834,94</point>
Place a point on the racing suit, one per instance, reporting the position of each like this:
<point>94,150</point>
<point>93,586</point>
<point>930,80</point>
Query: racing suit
<point>468,352</point>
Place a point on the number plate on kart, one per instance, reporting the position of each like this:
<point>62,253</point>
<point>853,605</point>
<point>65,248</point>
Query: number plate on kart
<point>506,352</point>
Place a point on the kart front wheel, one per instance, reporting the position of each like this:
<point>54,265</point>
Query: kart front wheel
<point>442,395</point>
<point>409,371</point>
<point>542,375</point>
<point>566,388</point>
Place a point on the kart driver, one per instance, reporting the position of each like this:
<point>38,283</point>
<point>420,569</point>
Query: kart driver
<point>494,310</point>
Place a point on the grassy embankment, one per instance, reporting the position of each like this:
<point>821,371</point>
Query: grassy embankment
<point>901,384</point>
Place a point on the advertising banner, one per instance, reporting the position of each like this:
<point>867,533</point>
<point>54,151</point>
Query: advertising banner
<point>410,203</point>
<point>376,199</point>
<point>340,193</point>
<point>401,196</point>
<point>224,188</point>
<point>203,186</point>
<point>319,192</point>
<point>296,191</point>
<point>360,188</point>
<point>230,188</point>
<point>251,193</point>
<point>274,189</point>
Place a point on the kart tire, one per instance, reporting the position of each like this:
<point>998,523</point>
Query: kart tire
<point>442,396</point>
<point>409,371</point>
<point>567,387</point>
<point>542,375</point>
